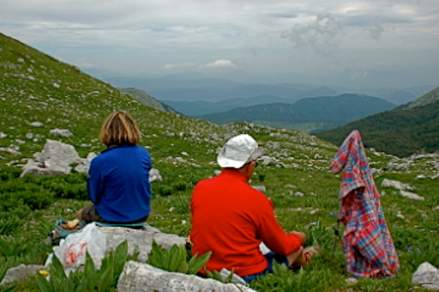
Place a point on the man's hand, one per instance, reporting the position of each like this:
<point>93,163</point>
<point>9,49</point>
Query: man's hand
<point>300,235</point>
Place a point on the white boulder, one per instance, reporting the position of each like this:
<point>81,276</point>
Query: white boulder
<point>426,276</point>
<point>143,277</point>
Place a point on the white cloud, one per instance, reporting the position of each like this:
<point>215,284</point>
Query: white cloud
<point>221,64</point>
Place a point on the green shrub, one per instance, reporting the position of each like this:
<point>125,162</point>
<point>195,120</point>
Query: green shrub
<point>164,191</point>
<point>176,259</point>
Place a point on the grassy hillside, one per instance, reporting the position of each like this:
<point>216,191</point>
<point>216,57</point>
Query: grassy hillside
<point>325,112</point>
<point>403,131</point>
<point>37,88</point>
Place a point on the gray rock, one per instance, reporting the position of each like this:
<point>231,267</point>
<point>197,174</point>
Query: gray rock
<point>426,276</point>
<point>412,196</point>
<point>55,159</point>
<point>154,175</point>
<point>140,240</point>
<point>266,160</point>
<point>388,183</point>
<point>108,238</point>
<point>399,166</point>
<point>143,277</point>
<point>298,194</point>
<point>20,272</point>
<point>260,188</point>
<point>3,135</point>
<point>61,132</point>
<point>84,164</point>
<point>29,136</point>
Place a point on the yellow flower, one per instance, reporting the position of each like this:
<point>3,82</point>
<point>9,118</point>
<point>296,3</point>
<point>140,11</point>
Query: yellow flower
<point>43,273</point>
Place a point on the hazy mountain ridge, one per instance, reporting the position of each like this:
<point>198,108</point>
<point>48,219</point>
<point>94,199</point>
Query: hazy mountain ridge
<point>324,112</point>
<point>146,99</point>
<point>403,131</point>
<point>212,90</point>
<point>200,107</point>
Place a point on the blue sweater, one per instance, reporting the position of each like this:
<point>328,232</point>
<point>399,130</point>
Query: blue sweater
<point>118,183</point>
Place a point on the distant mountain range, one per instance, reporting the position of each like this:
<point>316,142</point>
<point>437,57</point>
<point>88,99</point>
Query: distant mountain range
<point>403,131</point>
<point>182,88</point>
<point>199,107</point>
<point>178,88</point>
<point>315,113</point>
<point>146,99</point>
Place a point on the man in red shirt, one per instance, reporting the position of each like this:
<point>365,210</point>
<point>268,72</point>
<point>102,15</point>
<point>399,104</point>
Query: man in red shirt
<point>231,219</point>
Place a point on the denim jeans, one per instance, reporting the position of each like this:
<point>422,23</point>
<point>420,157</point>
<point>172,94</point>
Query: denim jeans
<point>270,257</point>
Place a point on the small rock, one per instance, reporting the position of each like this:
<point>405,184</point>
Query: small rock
<point>436,208</point>
<point>400,216</point>
<point>412,196</point>
<point>388,183</point>
<point>315,211</point>
<point>421,176</point>
<point>260,188</point>
<point>154,175</point>
<point>351,281</point>
<point>29,136</point>
<point>427,276</point>
<point>184,153</point>
<point>3,135</point>
<point>20,273</point>
<point>56,85</point>
<point>299,194</point>
<point>36,124</point>
<point>61,132</point>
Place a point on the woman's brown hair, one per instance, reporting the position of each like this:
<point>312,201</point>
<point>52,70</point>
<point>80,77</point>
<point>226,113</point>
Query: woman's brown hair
<point>119,128</point>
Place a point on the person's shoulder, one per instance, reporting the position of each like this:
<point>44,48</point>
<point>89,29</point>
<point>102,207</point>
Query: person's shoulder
<point>204,182</point>
<point>258,197</point>
<point>141,149</point>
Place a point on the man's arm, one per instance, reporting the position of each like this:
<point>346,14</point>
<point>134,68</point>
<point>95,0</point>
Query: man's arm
<point>273,235</point>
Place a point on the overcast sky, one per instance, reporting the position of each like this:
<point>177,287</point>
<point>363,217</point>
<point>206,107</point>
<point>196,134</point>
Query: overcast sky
<point>391,43</point>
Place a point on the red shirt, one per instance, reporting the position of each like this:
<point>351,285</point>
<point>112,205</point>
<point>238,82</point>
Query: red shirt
<point>230,219</point>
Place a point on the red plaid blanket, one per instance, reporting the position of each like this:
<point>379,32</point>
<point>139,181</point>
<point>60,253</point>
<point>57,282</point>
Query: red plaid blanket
<point>368,245</point>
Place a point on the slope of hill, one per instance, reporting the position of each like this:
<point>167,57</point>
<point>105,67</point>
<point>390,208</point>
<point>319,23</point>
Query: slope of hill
<point>403,131</point>
<point>146,99</point>
<point>39,93</point>
<point>428,98</point>
<point>321,112</point>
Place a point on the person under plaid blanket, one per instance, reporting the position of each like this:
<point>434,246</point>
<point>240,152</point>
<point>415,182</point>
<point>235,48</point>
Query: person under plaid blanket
<point>368,245</point>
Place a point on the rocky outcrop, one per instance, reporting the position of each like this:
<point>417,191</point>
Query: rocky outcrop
<point>404,189</point>
<point>143,277</point>
<point>426,276</point>
<point>20,273</point>
<point>388,183</point>
<point>57,158</point>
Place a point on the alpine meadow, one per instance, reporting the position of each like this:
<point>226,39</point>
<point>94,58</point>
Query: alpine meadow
<point>39,94</point>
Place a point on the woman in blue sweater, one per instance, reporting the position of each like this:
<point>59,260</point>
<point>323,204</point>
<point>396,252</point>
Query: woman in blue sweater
<point>118,183</point>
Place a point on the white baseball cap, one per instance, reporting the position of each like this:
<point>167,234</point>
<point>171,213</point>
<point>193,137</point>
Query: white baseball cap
<point>238,151</point>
